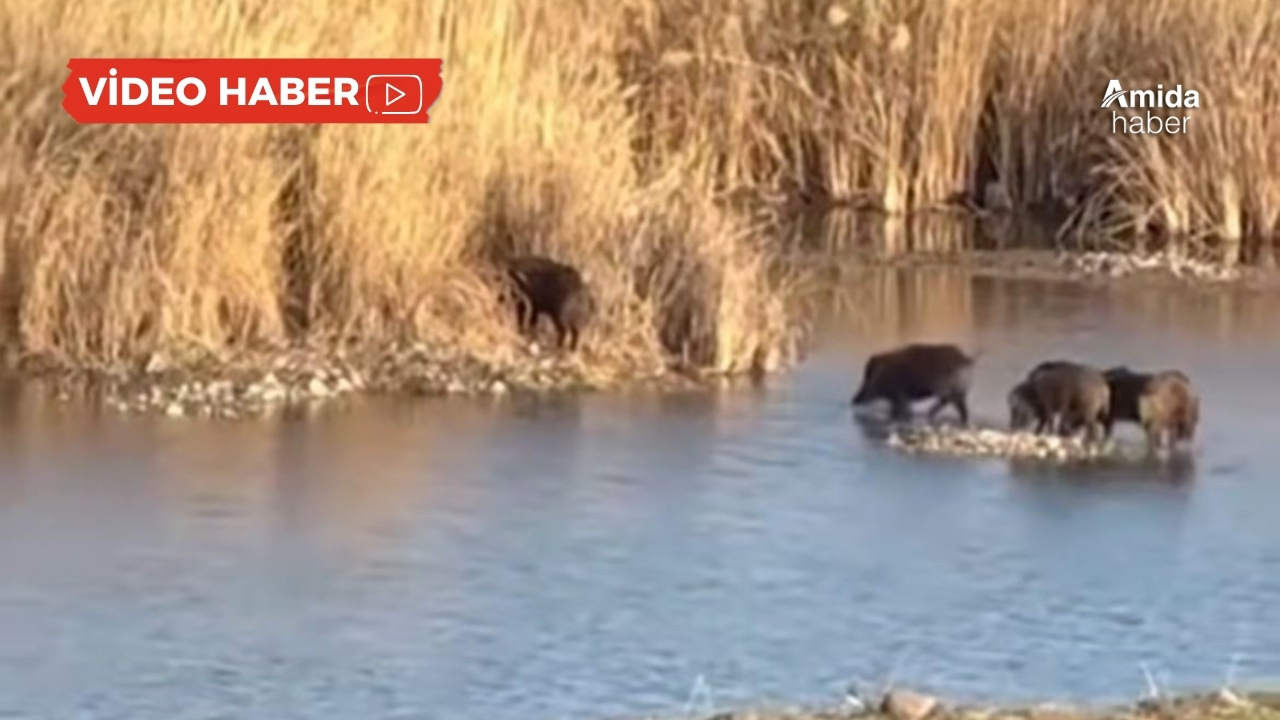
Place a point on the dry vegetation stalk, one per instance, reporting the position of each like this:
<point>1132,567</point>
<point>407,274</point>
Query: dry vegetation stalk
<point>123,241</point>
<point>905,104</point>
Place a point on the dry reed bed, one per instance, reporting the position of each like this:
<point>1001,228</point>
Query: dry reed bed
<point>607,134</point>
<point>912,104</point>
<point>195,242</point>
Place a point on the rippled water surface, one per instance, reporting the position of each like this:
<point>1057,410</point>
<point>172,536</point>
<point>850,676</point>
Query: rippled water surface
<point>595,558</point>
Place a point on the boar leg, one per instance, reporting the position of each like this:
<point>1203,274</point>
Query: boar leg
<point>524,314</point>
<point>1108,424</point>
<point>1097,432</point>
<point>1154,435</point>
<point>936,408</point>
<point>563,336</point>
<point>899,408</point>
<point>961,404</point>
<point>955,400</point>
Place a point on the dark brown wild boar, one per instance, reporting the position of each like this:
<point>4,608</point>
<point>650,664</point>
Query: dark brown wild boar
<point>1164,403</point>
<point>1026,406</point>
<point>556,290</point>
<point>1062,396</point>
<point>915,372</point>
<point>1127,386</point>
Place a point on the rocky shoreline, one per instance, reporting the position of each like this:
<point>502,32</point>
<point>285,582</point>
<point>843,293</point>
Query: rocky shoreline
<point>259,383</point>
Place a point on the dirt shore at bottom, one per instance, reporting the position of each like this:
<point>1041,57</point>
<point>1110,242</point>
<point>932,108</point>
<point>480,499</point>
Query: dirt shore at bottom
<point>1221,705</point>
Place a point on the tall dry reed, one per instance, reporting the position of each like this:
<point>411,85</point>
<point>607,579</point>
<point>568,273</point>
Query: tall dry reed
<point>123,241</point>
<point>907,104</point>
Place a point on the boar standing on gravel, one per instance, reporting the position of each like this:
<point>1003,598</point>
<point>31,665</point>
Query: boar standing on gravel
<point>918,372</point>
<point>1024,409</point>
<point>1062,396</point>
<point>1163,403</point>
<point>546,287</point>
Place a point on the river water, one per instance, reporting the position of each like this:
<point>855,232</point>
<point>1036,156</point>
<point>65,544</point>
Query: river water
<point>630,555</point>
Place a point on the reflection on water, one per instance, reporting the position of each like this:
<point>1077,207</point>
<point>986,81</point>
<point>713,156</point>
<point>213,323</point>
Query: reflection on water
<point>891,236</point>
<point>1174,468</point>
<point>594,557</point>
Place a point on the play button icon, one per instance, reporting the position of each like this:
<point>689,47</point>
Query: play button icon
<point>383,94</point>
<point>399,94</point>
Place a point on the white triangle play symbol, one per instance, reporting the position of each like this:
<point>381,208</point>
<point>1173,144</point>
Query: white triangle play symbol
<point>398,91</point>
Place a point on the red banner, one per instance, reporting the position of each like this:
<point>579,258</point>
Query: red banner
<point>241,90</point>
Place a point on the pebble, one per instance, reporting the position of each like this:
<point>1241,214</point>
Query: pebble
<point>1227,697</point>
<point>155,364</point>
<point>907,705</point>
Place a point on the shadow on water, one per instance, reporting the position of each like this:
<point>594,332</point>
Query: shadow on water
<point>1177,468</point>
<point>876,236</point>
<point>874,428</point>
<point>594,555</point>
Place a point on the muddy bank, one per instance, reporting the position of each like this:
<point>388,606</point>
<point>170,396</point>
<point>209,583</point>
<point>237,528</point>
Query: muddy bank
<point>905,705</point>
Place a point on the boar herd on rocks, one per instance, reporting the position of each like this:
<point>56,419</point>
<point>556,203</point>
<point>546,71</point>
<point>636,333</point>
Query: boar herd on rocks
<point>1058,396</point>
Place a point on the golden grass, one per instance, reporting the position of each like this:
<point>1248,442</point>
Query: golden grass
<point>123,241</point>
<point>607,134</point>
<point>907,104</point>
<point>1214,189</point>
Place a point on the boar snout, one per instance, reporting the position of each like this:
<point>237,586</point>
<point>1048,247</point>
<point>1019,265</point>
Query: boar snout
<point>862,397</point>
<point>1021,412</point>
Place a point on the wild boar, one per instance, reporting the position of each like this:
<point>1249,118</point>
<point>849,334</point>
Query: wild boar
<point>915,372</point>
<point>1169,409</point>
<point>1164,403</point>
<point>1063,396</point>
<point>1127,386</point>
<point>556,290</point>
<point>1025,409</point>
